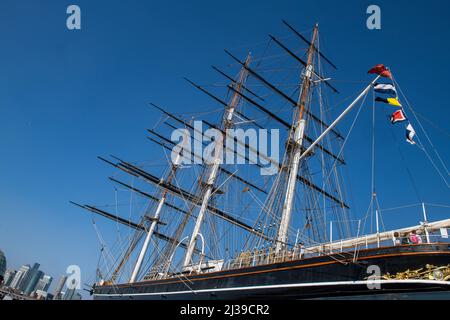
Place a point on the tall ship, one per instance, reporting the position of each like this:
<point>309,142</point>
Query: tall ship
<point>248,197</point>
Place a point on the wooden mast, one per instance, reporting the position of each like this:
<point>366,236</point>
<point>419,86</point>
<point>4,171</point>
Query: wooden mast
<point>137,267</point>
<point>309,70</point>
<point>228,124</point>
<point>299,133</point>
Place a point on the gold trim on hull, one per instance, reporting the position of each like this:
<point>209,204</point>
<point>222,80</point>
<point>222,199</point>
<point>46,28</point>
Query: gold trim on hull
<point>430,272</point>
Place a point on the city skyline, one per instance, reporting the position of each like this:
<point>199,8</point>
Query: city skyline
<point>32,282</point>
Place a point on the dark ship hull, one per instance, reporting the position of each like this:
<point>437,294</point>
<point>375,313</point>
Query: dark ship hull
<point>328,276</point>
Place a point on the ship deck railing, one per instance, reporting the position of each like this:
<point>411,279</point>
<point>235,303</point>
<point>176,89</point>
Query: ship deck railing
<point>268,256</point>
<point>265,257</point>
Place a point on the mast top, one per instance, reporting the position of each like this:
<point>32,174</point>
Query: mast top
<point>307,83</point>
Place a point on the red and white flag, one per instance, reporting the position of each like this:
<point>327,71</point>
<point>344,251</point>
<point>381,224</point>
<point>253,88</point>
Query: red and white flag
<point>398,116</point>
<point>381,70</point>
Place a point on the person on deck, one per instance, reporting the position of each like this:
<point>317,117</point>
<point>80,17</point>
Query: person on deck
<point>397,239</point>
<point>419,237</point>
<point>414,238</point>
<point>301,248</point>
<point>405,239</point>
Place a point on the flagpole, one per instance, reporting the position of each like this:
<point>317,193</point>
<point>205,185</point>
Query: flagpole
<point>425,222</point>
<point>378,228</point>
<point>343,114</point>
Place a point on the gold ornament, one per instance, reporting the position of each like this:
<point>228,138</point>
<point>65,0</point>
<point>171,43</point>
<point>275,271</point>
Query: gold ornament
<point>430,272</point>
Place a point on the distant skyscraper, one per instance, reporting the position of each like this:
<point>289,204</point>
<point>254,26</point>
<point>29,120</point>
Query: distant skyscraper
<point>44,283</point>
<point>72,294</point>
<point>59,288</point>
<point>69,294</point>
<point>19,277</point>
<point>9,277</point>
<point>2,266</point>
<point>31,280</point>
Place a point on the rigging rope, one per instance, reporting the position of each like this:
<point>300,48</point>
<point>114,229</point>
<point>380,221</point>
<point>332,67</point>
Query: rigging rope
<point>427,137</point>
<point>406,166</point>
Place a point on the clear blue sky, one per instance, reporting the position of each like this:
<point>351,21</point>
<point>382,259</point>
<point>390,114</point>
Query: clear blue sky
<point>68,96</point>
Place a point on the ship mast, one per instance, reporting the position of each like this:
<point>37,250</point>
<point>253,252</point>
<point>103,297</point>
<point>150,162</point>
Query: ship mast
<point>137,267</point>
<point>228,123</point>
<point>299,132</point>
